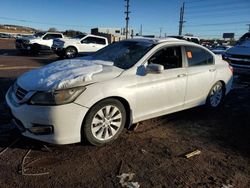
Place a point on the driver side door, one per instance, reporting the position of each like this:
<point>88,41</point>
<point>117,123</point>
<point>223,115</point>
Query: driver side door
<point>161,93</point>
<point>88,44</point>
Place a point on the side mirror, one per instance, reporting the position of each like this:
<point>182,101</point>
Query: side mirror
<point>154,68</point>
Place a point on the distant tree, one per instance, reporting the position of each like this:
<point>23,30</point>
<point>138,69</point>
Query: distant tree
<point>52,29</point>
<point>72,33</point>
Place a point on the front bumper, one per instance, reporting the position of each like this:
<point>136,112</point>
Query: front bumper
<point>23,46</point>
<point>240,65</point>
<point>65,120</point>
<point>57,49</point>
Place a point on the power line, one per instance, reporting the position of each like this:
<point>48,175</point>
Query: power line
<point>194,1</point>
<point>216,24</point>
<point>236,2</point>
<point>42,23</point>
<point>218,9</point>
<point>227,14</point>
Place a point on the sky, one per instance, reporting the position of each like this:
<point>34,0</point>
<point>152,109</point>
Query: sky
<point>203,18</point>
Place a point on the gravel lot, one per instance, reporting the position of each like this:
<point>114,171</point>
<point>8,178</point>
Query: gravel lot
<point>154,152</point>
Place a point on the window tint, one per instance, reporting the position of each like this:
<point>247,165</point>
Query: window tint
<point>169,57</point>
<point>197,56</point>
<point>52,36</point>
<point>100,41</point>
<point>94,40</point>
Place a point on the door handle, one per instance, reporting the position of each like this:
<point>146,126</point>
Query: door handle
<point>212,70</point>
<point>181,75</point>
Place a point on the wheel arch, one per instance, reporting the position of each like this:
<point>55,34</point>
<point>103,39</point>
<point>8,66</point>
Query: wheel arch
<point>223,86</point>
<point>71,46</point>
<point>124,102</point>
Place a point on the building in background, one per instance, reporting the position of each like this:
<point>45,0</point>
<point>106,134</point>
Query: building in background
<point>112,34</point>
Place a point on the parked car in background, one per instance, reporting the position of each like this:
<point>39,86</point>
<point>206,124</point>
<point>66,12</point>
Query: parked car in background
<point>81,44</point>
<point>239,55</point>
<point>37,42</point>
<point>221,49</point>
<point>95,97</point>
<point>4,35</point>
<point>188,38</point>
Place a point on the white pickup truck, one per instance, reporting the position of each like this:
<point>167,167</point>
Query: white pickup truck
<point>37,42</point>
<point>81,44</point>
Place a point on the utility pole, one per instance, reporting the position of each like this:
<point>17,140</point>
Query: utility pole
<point>161,31</point>
<point>248,27</point>
<point>141,30</point>
<point>127,12</point>
<point>181,18</point>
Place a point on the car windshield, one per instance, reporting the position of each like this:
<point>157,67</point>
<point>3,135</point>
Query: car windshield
<point>124,54</point>
<point>244,38</point>
<point>39,34</point>
<point>79,36</point>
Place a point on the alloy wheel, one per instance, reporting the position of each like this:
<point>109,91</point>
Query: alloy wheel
<point>216,95</point>
<point>106,122</point>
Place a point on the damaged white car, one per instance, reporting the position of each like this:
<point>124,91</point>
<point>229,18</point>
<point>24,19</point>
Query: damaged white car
<point>95,97</point>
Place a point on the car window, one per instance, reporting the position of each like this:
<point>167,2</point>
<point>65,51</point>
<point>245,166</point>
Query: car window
<point>169,57</point>
<point>100,41</point>
<point>198,56</point>
<point>93,40</point>
<point>52,36</point>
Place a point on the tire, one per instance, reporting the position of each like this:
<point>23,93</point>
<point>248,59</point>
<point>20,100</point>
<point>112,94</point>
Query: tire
<point>216,95</point>
<point>35,48</point>
<point>104,122</point>
<point>70,52</point>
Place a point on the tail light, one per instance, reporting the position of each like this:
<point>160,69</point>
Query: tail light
<point>230,67</point>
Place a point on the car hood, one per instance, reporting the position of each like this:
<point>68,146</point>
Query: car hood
<point>67,74</point>
<point>240,49</point>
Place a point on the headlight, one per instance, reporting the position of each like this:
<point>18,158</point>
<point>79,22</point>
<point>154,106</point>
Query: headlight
<point>56,97</point>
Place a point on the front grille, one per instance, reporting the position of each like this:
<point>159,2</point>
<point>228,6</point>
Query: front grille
<point>19,92</point>
<point>240,62</point>
<point>240,56</point>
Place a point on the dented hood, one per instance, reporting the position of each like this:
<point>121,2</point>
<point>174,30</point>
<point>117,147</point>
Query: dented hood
<point>67,74</point>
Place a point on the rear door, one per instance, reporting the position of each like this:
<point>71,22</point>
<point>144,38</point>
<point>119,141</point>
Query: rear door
<point>201,72</point>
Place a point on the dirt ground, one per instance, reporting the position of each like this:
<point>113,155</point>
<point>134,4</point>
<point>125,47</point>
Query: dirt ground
<point>154,152</point>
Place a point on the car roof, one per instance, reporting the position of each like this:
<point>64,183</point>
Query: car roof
<point>159,40</point>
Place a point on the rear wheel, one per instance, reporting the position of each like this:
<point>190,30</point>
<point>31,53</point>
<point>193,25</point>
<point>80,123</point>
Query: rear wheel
<point>70,52</point>
<point>216,95</point>
<point>104,122</point>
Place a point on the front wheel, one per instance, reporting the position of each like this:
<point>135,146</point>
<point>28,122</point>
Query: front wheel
<point>104,122</point>
<point>70,52</point>
<point>216,95</point>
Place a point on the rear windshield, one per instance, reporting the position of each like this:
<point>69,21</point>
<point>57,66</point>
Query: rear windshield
<point>39,34</point>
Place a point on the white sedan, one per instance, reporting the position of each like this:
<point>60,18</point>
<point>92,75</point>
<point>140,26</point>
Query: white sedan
<point>95,97</point>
